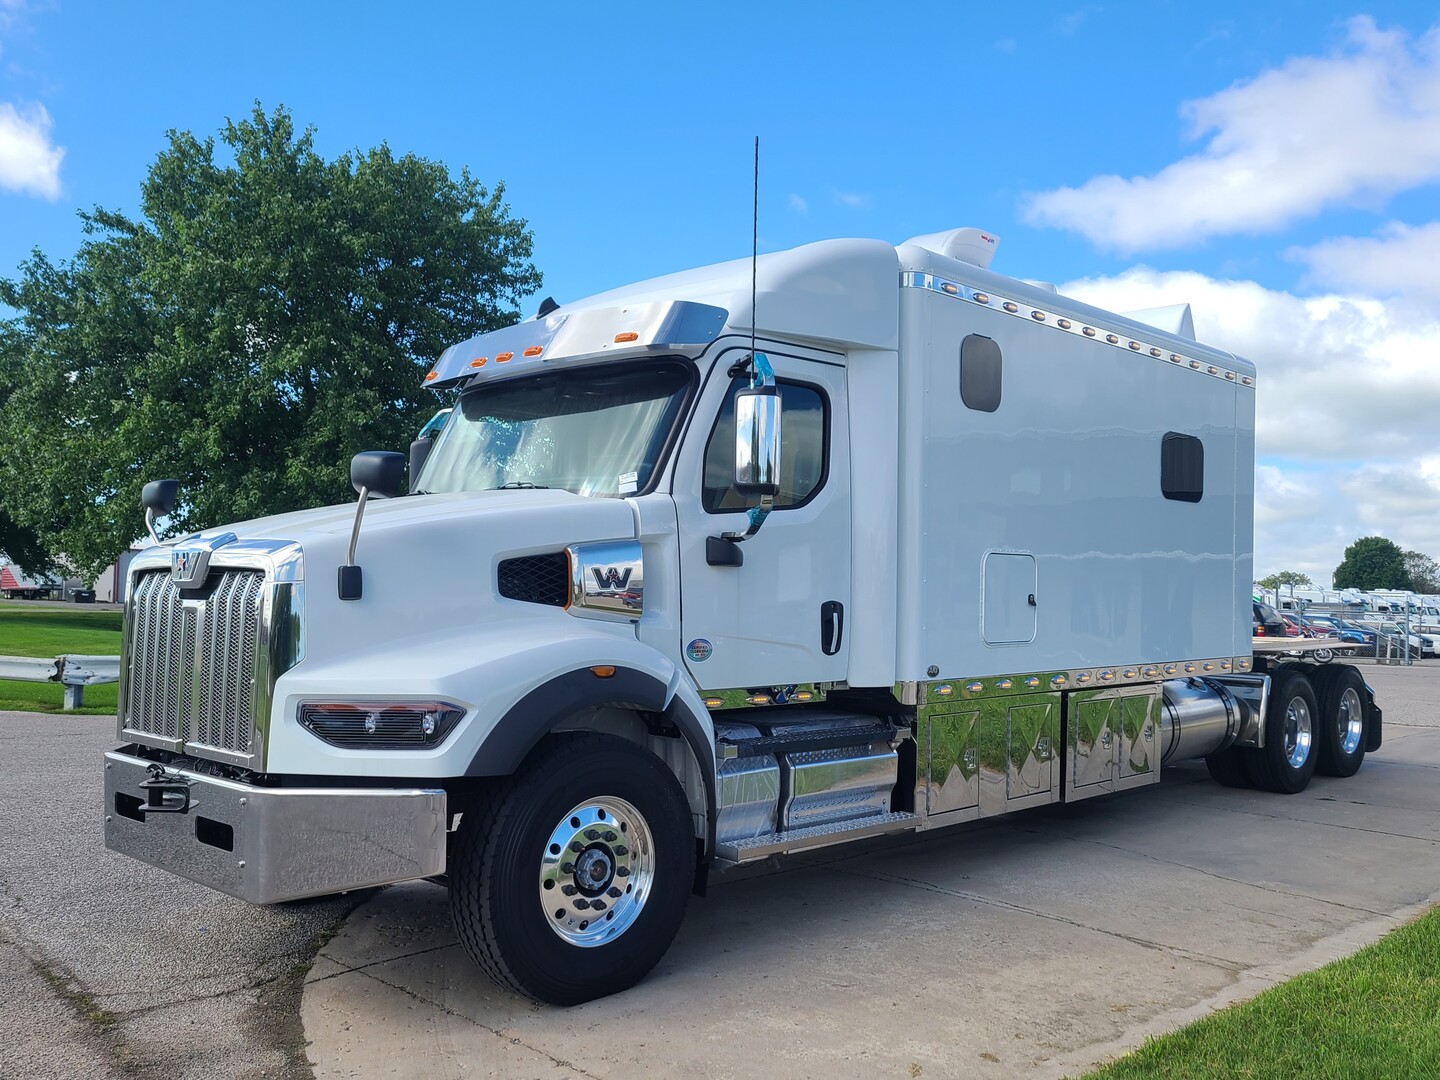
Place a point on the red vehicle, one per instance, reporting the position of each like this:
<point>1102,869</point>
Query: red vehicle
<point>1296,626</point>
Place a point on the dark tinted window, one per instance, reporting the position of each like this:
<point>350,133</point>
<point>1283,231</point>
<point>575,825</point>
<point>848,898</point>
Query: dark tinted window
<point>1182,467</point>
<point>980,373</point>
<point>803,428</point>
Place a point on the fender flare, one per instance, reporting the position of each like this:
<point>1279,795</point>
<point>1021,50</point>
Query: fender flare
<point>532,717</point>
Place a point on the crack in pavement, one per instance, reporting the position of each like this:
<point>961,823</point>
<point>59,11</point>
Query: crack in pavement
<point>1213,874</point>
<point>375,963</point>
<point>561,1062</point>
<point>1322,824</point>
<point>1233,967</point>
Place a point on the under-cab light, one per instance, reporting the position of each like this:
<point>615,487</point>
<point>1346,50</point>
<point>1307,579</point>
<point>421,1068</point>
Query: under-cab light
<point>1031,682</point>
<point>944,690</point>
<point>1171,669</point>
<point>628,335</point>
<point>758,699</point>
<point>1058,681</point>
<point>974,687</point>
<point>1004,684</point>
<point>533,350</point>
<point>714,702</point>
<point>1151,671</point>
<point>804,695</point>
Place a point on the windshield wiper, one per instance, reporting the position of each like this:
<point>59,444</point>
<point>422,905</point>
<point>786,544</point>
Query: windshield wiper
<point>522,484</point>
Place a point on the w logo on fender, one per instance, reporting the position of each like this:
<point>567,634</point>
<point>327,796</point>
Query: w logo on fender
<point>611,578</point>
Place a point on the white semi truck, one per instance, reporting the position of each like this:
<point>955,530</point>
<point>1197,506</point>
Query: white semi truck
<point>933,545</point>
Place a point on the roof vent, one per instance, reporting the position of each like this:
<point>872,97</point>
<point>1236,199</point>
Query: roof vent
<point>968,245</point>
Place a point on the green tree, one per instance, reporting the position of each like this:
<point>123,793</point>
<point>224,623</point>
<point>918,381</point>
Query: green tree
<point>1283,578</point>
<point>1423,571</point>
<point>267,315</point>
<point>1372,562</point>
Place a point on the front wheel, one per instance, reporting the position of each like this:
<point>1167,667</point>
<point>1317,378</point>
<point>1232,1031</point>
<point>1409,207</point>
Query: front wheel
<point>1287,761</point>
<point>571,877</point>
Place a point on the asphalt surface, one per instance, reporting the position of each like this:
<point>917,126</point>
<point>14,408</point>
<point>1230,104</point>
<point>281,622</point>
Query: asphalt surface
<point>1031,946</point>
<point>1034,946</point>
<point>109,968</point>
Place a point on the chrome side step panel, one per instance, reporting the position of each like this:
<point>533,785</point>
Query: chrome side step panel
<point>814,836</point>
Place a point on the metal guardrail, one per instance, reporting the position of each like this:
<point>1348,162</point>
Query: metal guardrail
<point>74,671</point>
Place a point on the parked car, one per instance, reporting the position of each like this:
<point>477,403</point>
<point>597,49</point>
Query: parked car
<point>1295,626</point>
<point>1266,621</point>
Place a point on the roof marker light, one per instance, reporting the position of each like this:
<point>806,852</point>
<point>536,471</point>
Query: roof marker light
<point>1011,308</point>
<point>504,357</point>
<point>1136,346</point>
<point>628,335</point>
<point>1213,370</point>
<point>1064,324</point>
<point>1088,331</point>
<point>1038,316</point>
<point>1247,380</point>
<point>1194,365</point>
<point>1230,375</point>
<point>947,287</point>
<point>1113,339</point>
<point>1156,352</point>
<point>533,350</point>
<point>479,361</point>
<point>1175,358</point>
<point>981,298</point>
<point>431,376</point>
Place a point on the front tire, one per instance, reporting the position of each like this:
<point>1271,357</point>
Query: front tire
<point>1287,761</point>
<point>1340,692</point>
<point>571,877</point>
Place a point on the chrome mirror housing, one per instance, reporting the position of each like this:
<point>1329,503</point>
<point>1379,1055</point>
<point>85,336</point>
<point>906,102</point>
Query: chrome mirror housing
<point>757,441</point>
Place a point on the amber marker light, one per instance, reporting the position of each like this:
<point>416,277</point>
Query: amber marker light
<point>479,361</point>
<point>758,699</point>
<point>602,671</point>
<point>431,376</point>
<point>533,350</point>
<point>504,357</point>
<point>628,335</point>
<point>803,695</point>
<point>714,702</point>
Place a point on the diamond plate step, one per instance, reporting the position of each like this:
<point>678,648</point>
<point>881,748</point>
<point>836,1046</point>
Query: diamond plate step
<point>815,836</point>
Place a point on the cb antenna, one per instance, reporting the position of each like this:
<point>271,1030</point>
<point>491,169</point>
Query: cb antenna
<point>754,242</point>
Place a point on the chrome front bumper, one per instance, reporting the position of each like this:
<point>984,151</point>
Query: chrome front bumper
<point>270,844</point>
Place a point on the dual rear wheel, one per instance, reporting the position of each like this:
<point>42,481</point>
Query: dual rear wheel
<point>1314,722</point>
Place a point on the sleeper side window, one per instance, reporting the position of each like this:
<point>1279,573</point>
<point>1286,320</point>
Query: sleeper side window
<point>804,442</point>
<point>1182,467</point>
<point>980,373</point>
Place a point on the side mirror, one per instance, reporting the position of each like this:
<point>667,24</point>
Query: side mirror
<point>425,442</point>
<point>380,473</point>
<point>160,495</point>
<point>158,498</point>
<point>757,441</point>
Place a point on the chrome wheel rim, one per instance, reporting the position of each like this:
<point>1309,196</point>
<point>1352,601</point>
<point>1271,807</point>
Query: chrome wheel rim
<point>1351,721</point>
<point>596,871</point>
<point>1298,732</point>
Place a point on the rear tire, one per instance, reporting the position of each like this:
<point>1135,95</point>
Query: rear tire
<point>1229,768</point>
<point>1287,761</point>
<point>571,877</point>
<point>1341,734</point>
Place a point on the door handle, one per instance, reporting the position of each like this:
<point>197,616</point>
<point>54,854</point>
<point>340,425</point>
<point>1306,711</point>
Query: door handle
<point>832,626</point>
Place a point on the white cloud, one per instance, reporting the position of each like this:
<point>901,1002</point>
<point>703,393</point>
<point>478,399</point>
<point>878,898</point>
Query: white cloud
<point>1314,132</point>
<point>1347,409</point>
<point>852,199</point>
<point>1402,260</point>
<point>1069,25</point>
<point>798,204</point>
<point>29,162</point>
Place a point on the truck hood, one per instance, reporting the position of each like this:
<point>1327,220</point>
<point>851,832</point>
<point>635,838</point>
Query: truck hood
<point>428,561</point>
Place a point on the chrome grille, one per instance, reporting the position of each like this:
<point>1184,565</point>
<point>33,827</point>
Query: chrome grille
<point>190,669</point>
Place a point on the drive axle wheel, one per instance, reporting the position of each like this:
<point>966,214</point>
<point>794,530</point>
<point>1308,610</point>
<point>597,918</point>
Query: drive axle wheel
<point>570,878</point>
<point>1287,761</point>
<point>1341,735</point>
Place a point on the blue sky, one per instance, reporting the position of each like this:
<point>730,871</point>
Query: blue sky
<point>1275,164</point>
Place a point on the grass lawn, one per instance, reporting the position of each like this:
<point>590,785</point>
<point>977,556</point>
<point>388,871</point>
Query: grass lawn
<point>1371,1016</point>
<point>36,630</point>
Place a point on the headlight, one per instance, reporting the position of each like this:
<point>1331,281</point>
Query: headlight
<point>380,725</point>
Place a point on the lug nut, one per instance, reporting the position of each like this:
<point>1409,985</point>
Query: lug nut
<point>622,871</point>
<point>592,834</point>
<point>576,846</point>
<point>582,903</point>
<point>610,837</point>
<point>569,890</point>
<point>622,850</point>
<point>612,892</point>
<point>598,905</point>
<point>567,867</point>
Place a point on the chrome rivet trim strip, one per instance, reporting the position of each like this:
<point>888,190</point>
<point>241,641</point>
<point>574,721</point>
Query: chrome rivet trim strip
<point>914,279</point>
<point>991,686</point>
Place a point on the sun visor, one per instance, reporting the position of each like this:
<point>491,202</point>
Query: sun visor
<point>631,330</point>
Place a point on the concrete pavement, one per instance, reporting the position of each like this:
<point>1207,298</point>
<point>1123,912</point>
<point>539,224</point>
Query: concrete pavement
<point>1033,946</point>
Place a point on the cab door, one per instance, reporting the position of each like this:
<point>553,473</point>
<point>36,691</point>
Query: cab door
<point>781,617</point>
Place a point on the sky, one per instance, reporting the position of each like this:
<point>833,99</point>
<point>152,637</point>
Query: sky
<point>1276,165</point>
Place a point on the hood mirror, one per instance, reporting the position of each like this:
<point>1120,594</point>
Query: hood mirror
<point>158,498</point>
<point>375,473</point>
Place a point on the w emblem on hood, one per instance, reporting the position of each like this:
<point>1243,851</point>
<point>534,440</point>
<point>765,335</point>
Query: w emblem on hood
<point>611,578</point>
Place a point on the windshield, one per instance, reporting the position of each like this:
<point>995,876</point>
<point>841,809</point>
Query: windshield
<point>594,431</point>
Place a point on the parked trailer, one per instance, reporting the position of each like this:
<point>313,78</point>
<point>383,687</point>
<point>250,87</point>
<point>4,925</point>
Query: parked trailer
<point>938,546</point>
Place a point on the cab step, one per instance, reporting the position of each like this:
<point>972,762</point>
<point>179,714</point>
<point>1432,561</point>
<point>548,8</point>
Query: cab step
<point>813,836</point>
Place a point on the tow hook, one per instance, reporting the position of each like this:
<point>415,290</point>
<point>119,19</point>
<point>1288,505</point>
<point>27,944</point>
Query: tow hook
<point>165,793</point>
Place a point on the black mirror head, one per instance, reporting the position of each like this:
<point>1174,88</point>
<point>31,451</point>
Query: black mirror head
<point>380,472</point>
<point>159,495</point>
